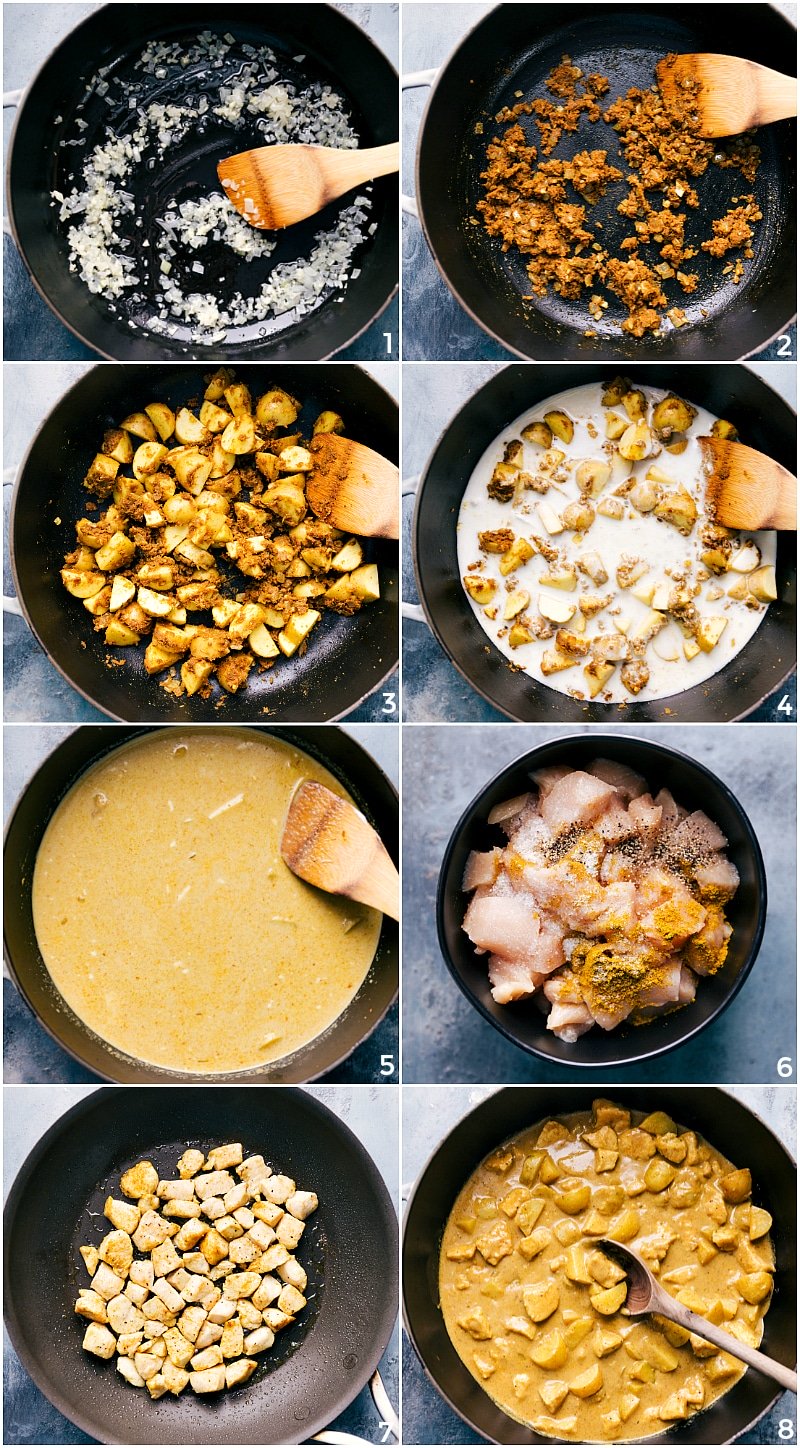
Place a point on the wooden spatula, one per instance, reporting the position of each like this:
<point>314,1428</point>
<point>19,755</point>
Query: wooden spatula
<point>277,186</point>
<point>645,1295</point>
<point>727,94</point>
<point>745,489</point>
<point>329,844</point>
<point>353,488</point>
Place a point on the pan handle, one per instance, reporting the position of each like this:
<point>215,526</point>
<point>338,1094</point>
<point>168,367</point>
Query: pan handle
<point>412,81</point>
<point>412,611</point>
<point>10,604</point>
<point>388,1418</point>
<point>11,100</point>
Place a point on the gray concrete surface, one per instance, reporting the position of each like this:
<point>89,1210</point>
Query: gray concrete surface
<point>31,33</point>
<point>29,1054</point>
<point>434,324</point>
<point>445,1040</point>
<point>428,1117</point>
<point>371,1114</point>
<point>33,687</point>
<point>432,395</point>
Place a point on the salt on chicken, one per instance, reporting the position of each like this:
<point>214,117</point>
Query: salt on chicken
<point>606,903</point>
<point>216,1278</point>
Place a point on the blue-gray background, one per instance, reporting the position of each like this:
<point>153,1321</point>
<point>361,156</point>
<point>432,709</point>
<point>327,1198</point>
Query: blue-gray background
<point>428,1116</point>
<point>31,33</point>
<point>370,1112</point>
<point>432,395</point>
<point>29,1053</point>
<point>33,688</point>
<point>446,1040</point>
<point>434,325</point>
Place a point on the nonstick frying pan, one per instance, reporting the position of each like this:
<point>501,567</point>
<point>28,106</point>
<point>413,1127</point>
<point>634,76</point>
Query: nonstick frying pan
<point>512,50</point>
<point>335,50</point>
<point>349,1250</point>
<point>347,658</point>
<point>728,1125</point>
<point>338,752</point>
<point>765,422</point>
<point>694,787</point>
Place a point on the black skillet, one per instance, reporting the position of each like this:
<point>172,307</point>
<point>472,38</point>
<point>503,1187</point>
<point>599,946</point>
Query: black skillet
<point>764,421</point>
<point>694,787</point>
<point>336,51</point>
<point>339,753</point>
<point>512,50</point>
<point>349,1251</point>
<point>347,658</point>
<point>727,1124</point>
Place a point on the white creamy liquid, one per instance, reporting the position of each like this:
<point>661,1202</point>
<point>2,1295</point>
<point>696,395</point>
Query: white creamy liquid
<point>636,534</point>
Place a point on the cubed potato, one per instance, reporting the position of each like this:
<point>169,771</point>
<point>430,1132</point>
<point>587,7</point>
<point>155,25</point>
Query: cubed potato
<point>560,424</point>
<point>148,459</point>
<point>297,630</point>
<point>277,408</point>
<point>762,584</point>
<point>140,425</point>
<point>101,475</point>
<point>637,441</point>
<point>597,675</point>
<point>117,445</point>
<point>677,507</point>
<point>239,436</point>
<point>117,553</point>
<point>348,558</point>
<point>85,585</point>
<point>550,1351</point>
<point>710,631</point>
<point>287,500</point>
<point>118,635</point>
<point>191,467</point>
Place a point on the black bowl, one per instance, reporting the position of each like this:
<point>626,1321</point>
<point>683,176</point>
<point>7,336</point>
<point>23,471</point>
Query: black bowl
<point>727,1124</point>
<point>693,786</point>
<point>375,796</point>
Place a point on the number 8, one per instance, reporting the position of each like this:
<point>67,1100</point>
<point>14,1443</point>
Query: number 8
<point>786,1429</point>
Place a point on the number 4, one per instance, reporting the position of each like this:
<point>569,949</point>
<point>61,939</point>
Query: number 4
<point>785,706</point>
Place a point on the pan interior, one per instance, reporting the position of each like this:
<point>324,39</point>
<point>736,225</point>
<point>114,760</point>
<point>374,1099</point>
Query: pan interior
<point>347,657</point>
<point>188,172</point>
<point>327,1358</point>
<point>624,47</point>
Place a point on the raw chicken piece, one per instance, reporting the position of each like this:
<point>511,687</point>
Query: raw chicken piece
<point>617,866</point>
<point>670,813</point>
<point>481,869</point>
<point>668,990</point>
<point>512,979</point>
<point>609,1020</point>
<point>528,834</point>
<point>646,817</point>
<point>577,799</point>
<point>627,781</point>
<point>697,833</point>
<point>719,879</point>
<point>502,813</point>
<point>579,901</point>
<point>549,775</point>
<point>615,823</point>
<point>569,1022</point>
<point>550,946</point>
<point>707,949</point>
<point>687,989</point>
<point>506,926</point>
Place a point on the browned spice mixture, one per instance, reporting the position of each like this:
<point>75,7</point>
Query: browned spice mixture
<point>527,202</point>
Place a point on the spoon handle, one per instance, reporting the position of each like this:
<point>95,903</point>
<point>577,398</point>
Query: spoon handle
<point>684,1317</point>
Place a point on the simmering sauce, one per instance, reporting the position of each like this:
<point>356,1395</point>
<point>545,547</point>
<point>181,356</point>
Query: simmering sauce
<point>536,1311</point>
<point>167,919</point>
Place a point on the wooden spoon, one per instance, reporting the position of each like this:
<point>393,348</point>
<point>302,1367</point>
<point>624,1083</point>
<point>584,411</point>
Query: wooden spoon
<point>646,1295</point>
<point>353,488</point>
<point>329,844</point>
<point>277,186</point>
<point>727,95</point>
<point>746,489</point>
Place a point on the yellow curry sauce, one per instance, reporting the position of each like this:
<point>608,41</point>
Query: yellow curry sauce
<point>167,919</point>
<point>534,1309</point>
